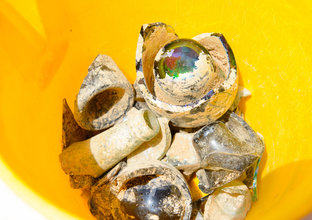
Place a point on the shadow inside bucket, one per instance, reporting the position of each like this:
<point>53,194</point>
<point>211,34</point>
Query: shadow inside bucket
<point>278,188</point>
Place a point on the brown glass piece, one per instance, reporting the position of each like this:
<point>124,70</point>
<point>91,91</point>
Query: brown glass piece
<point>71,133</point>
<point>101,199</point>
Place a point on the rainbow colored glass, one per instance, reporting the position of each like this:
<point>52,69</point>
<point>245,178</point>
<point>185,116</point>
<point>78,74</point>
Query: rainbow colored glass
<point>180,60</point>
<point>179,57</point>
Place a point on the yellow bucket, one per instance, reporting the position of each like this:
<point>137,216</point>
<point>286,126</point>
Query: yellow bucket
<point>47,46</point>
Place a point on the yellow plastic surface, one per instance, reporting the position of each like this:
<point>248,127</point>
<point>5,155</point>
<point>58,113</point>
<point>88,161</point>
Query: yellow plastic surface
<point>46,47</point>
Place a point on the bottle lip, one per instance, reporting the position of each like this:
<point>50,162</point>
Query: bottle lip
<point>151,125</point>
<point>150,119</point>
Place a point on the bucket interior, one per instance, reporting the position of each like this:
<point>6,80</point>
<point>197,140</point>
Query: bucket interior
<point>47,46</point>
